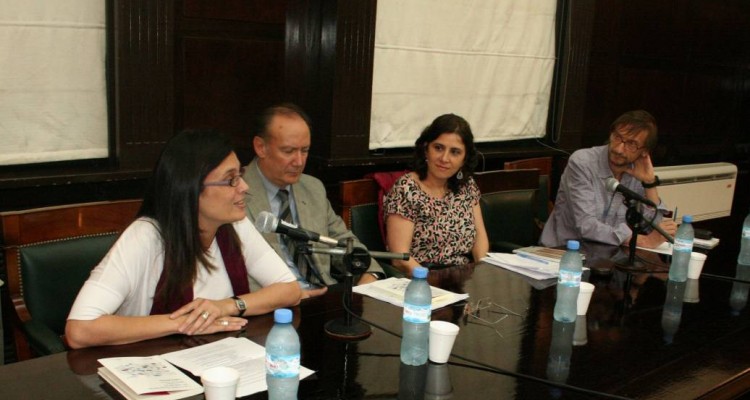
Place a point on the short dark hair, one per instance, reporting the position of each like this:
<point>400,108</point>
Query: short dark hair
<point>171,199</point>
<point>446,123</point>
<point>287,109</point>
<point>636,121</point>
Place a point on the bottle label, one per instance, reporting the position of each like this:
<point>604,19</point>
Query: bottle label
<point>569,278</point>
<point>746,232</point>
<point>282,366</point>
<point>683,245</point>
<point>417,314</point>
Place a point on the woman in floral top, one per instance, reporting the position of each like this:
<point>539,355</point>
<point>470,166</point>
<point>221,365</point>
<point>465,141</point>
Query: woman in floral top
<point>433,212</point>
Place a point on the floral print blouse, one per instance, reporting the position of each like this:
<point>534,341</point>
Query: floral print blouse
<point>444,230</point>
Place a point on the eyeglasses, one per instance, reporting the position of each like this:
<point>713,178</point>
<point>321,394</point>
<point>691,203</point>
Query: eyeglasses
<point>630,145</point>
<point>233,182</point>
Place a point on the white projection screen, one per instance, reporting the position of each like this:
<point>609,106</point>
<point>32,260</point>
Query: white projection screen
<point>53,104</point>
<point>489,61</point>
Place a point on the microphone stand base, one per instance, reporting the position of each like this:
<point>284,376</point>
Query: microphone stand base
<point>635,266</point>
<point>354,330</point>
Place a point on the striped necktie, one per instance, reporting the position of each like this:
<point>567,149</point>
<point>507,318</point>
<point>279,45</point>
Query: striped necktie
<point>285,214</point>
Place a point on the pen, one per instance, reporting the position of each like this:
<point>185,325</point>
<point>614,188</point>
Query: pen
<point>674,216</point>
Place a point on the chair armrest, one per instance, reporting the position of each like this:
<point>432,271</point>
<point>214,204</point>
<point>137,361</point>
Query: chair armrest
<point>42,340</point>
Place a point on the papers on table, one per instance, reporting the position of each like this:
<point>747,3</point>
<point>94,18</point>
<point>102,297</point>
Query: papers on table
<point>138,378</point>
<point>534,268</point>
<point>392,290</point>
<point>247,357</point>
<point>666,247</point>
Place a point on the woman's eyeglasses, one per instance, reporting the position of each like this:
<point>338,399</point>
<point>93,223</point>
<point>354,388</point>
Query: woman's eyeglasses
<point>233,182</point>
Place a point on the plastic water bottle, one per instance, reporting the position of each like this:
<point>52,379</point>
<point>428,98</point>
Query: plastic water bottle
<point>569,283</point>
<point>683,247</point>
<point>560,350</point>
<point>282,357</point>
<point>416,323</point>
<point>671,314</point>
<point>738,297</point>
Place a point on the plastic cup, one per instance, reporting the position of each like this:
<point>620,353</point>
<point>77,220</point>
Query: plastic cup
<point>691,291</point>
<point>696,265</point>
<point>220,383</point>
<point>442,336</point>
<point>584,297</point>
<point>580,332</point>
<point>438,386</point>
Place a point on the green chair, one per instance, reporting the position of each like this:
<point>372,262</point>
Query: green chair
<point>52,274</point>
<point>359,209</point>
<point>509,207</point>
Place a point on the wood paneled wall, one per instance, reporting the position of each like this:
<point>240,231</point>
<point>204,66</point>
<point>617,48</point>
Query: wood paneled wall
<point>196,63</point>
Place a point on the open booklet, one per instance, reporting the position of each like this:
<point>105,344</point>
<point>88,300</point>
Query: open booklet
<point>134,381</point>
<point>392,291</point>
<point>141,378</point>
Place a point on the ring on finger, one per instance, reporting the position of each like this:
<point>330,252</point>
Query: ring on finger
<point>205,314</point>
<point>224,323</point>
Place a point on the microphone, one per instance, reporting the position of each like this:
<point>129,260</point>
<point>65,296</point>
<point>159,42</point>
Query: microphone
<point>269,223</point>
<point>614,186</point>
<point>374,254</point>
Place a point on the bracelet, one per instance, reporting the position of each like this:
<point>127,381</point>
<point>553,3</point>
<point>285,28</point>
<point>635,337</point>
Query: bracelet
<point>653,184</point>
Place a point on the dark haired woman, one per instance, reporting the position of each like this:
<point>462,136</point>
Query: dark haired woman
<point>183,265</point>
<point>433,212</point>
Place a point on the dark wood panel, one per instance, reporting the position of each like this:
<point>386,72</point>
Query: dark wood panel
<point>263,11</point>
<point>225,83</point>
<point>143,80</point>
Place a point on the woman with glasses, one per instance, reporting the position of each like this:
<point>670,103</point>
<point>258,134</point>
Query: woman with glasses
<point>183,265</point>
<point>586,210</point>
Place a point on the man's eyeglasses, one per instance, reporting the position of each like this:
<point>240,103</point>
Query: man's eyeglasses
<point>630,145</point>
<point>233,182</point>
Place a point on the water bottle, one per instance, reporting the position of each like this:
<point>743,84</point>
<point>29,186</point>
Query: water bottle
<point>416,323</point>
<point>282,357</point>
<point>738,297</point>
<point>683,247</point>
<point>671,314</point>
<point>569,284</point>
<point>560,350</point>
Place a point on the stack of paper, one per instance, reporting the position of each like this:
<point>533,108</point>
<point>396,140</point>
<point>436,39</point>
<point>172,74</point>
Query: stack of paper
<point>140,378</point>
<point>392,290</point>
<point>666,247</point>
<point>532,267</point>
<point>242,354</point>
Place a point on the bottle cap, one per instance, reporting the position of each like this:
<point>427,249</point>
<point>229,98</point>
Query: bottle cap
<point>573,245</point>
<point>419,272</point>
<point>687,219</point>
<point>282,316</point>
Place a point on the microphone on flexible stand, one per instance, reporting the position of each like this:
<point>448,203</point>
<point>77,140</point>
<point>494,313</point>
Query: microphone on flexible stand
<point>269,223</point>
<point>613,185</point>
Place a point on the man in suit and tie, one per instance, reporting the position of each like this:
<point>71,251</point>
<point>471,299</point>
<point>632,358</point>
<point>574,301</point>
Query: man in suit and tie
<point>277,185</point>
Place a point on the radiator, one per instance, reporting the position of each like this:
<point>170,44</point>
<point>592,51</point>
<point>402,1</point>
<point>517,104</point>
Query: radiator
<point>704,191</point>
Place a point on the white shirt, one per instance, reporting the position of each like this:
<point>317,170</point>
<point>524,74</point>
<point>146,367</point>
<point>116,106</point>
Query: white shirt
<point>125,280</point>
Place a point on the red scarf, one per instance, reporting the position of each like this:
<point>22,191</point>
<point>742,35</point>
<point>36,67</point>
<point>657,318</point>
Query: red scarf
<point>235,266</point>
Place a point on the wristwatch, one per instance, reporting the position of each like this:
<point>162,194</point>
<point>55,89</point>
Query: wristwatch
<point>653,184</point>
<point>377,275</point>
<point>240,305</point>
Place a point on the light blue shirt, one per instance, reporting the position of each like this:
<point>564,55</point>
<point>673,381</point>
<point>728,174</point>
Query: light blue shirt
<point>585,209</point>
<point>272,192</point>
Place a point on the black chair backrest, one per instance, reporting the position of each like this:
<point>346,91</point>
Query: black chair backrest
<point>509,218</point>
<point>364,225</point>
<point>53,272</point>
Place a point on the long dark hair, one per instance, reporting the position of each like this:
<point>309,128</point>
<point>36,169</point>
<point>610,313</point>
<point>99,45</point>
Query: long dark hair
<point>446,123</point>
<point>171,199</point>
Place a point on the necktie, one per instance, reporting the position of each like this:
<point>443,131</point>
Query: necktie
<point>285,214</point>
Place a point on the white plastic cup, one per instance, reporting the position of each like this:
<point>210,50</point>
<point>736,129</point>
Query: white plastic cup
<point>580,332</point>
<point>438,385</point>
<point>220,383</point>
<point>696,265</point>
<point>584,297</point>
<point>691,291</point>
<point>442,336</point>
